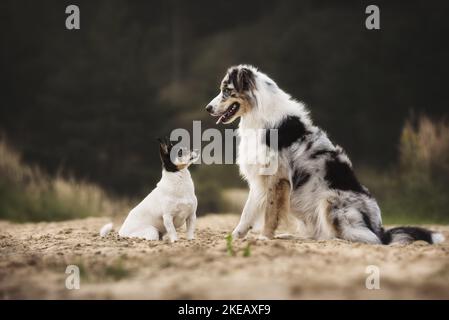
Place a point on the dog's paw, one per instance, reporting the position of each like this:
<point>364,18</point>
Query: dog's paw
<point>190,237</point>
<point>173,239</point>
<point>237,234</point>
<point>262,237</point>
<point>286,236</point>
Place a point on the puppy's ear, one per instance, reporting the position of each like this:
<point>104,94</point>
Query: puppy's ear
<point>242,79</point>
<point>168,141</point>
<point>163,149</point>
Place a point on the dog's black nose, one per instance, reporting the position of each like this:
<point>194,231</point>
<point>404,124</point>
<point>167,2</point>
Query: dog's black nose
<point>209,108</point>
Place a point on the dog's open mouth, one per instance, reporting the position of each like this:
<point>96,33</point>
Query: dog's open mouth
<point>229,113</point>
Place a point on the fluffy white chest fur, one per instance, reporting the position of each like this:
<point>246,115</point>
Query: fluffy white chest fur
<point>171,204</point>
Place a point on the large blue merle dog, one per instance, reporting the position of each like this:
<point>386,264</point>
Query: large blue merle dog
<point>314,181</point>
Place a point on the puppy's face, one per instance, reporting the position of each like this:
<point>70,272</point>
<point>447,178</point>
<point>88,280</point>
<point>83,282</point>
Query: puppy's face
<point>175,158</point>
<point>235,98</point>
<point>184,157</point>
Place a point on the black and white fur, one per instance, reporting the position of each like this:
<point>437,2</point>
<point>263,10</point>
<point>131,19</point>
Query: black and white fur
<point>171,204</point>
<point>314,182</point>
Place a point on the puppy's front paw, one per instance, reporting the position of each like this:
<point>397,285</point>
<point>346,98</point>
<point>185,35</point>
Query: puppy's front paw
<point>190,237</point>
<point>173,239</point>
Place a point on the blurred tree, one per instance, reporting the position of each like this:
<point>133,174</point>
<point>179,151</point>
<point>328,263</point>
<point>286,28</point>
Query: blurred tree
<point>92,101</point>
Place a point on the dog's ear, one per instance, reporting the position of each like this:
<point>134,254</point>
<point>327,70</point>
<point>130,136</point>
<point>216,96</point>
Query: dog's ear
<point>169,143</point>
<point>245,79</point>
<point>163,149</point>
<point>242,79</point>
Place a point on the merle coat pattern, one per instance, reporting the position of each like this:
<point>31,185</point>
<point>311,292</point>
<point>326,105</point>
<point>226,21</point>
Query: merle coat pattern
<point>314,181</point>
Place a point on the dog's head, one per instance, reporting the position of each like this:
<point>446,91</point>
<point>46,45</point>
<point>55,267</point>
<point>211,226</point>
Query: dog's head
<point>236,97</point>
<point>175,158</point>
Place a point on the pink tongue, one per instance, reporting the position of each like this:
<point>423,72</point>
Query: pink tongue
<point>220,119</point>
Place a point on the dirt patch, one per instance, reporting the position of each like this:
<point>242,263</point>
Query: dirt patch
<point>34,257</point>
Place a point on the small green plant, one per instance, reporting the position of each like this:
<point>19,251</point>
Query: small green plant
<point>229,247</point>
<point>232,252</point>
<point>247,250</point>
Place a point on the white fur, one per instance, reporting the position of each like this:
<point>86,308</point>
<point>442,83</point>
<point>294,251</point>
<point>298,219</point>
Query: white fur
<point>325,195</point>
<point>171,204</point>
<point>104,231</point>
<point>437,237</point>
<point>271,106</point>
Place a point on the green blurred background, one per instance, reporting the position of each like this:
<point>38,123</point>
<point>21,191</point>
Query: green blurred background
<point>80,110</point>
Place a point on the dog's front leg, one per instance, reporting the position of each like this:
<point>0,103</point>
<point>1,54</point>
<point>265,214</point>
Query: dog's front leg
<point>170,228</point>
<point>278,203</point>
<point>249,215</point>
<point>190,225</point>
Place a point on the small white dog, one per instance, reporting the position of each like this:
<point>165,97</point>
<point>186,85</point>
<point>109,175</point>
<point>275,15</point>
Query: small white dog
<point>171,204</point>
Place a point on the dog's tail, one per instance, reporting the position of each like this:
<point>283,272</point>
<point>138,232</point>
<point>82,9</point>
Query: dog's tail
<point>404,235</point>
<point>104,231</point>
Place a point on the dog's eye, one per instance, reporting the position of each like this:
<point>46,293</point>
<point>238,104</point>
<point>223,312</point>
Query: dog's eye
<point>226,92</point>
<point>179,153</point>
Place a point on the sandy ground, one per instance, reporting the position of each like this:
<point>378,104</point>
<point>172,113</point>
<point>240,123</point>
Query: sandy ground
<point>34,257</point>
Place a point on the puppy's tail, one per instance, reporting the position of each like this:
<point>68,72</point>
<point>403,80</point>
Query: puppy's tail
<point>404,235</point>
<point>104,231</point>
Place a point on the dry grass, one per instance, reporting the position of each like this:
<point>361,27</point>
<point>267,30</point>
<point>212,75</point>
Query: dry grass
<point>416,189</point>
<point>424,148</point>
<point>28,194</point>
